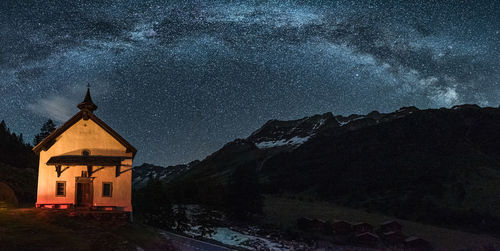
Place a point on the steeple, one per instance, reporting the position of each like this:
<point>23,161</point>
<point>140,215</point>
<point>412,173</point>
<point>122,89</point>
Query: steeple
<point>87,105</point>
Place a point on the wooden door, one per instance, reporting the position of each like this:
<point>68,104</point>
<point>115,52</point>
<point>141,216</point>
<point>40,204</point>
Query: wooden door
<point>83,195</point>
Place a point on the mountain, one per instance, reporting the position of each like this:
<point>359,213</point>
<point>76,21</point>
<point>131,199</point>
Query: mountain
<point>146,172</point>
<point>290,134</point>
<point>436,165</point>
<point>293,133</point>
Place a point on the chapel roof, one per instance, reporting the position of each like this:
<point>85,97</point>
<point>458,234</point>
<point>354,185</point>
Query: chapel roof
<point>86,112</point>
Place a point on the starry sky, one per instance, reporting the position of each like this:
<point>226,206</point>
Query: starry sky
<point>180,79</point>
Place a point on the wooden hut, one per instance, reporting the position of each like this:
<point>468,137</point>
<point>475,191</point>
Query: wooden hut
<point>342,227</point>
<point>393,238</point>
<point>362,227</point>
<point>416,243</point>
<point>390,226</point>
<point>367,238</point>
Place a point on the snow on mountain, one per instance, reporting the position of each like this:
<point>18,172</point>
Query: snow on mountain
<point>145,172</point>
<point>293,133</point>
<point>282,142</point>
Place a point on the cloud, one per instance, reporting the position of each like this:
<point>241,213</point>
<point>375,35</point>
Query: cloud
<point>272,14</point>
<point>55,107</point>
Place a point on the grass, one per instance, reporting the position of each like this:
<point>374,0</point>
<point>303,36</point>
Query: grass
<point>47,229</point>
<point>484,190</point>
<point>284,213</point>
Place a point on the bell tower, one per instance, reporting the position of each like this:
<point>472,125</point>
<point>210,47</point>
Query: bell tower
<point>87,106</point>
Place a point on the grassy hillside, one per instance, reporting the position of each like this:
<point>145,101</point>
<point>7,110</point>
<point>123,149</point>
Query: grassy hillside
<point>206,182</point>
<point>44,229</point>
<point>284,213</point>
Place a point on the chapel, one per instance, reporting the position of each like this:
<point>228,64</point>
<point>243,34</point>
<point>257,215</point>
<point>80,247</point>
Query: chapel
<point>85,164</point>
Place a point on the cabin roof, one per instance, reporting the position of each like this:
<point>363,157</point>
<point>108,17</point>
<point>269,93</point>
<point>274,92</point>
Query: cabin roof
<point>50,140</point>
<point>342,222</point>
<point>390,222</point>
<point>393,233</point>
<point>367,234</point>
<point>413,238</point>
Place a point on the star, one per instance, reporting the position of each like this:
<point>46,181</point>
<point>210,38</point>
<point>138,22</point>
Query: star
<point>180,79</point>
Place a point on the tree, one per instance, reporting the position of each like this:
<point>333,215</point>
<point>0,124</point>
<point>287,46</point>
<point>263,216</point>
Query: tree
<point>181,219</point>
<point>152,205</point>
<point>3,127</point>
<point>244,193</point>
<point>14,151</point>
<point>45,131</point>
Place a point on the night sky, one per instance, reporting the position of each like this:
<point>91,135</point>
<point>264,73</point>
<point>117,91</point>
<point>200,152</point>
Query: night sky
<point>180,80</point>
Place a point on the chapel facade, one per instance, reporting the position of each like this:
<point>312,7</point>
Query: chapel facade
<point>85,164</point>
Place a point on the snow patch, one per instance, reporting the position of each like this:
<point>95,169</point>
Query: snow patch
<point>320,123</point>
<point>295,141</point>
<point>237,239</point>
<point>342,123</point>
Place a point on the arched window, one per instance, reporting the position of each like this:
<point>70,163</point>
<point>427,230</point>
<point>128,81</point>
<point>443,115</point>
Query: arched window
<point>86,152</point>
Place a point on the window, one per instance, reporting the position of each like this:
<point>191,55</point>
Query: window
<point>85,152</point>
<point>107,189</point>
<point>61,188</point>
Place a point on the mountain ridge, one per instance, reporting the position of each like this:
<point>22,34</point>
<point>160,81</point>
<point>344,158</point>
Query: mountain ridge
<point>406,163</point>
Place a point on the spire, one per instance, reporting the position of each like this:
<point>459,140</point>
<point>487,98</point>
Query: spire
<point>87,104</point>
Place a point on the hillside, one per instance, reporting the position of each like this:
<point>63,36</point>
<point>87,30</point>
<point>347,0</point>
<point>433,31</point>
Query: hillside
<point>17,168</point>
<point>20,181</point>
<point>439,166</point>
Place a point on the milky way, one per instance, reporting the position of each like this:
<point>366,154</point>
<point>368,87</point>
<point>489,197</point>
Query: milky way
<point>178,80</point>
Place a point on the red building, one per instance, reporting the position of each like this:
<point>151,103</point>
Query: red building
<point>393,238</point>
<point>362,227</point>
<point>342,227</point>
<point>390,226</point>
<point>318,225</point>
<point>416,243</point>
<point>366,238</point>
